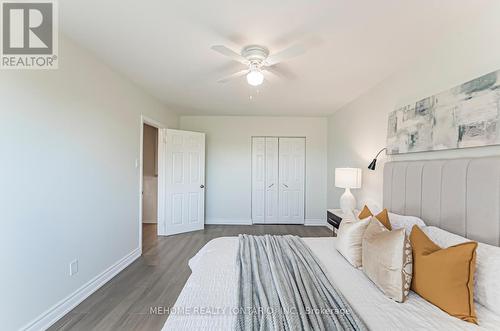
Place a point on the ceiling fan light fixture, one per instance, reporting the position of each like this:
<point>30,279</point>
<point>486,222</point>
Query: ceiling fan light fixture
<point>255,77</point>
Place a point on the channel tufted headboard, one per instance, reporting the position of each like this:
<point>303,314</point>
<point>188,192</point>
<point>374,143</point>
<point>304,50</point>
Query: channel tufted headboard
<point>458,195</point>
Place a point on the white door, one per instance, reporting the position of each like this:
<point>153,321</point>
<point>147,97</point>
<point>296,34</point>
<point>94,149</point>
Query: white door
<point>278,170</point>
<point>291,180</point>
<point>184,184</point>
<point>258,179</point>
<point>272,180</point>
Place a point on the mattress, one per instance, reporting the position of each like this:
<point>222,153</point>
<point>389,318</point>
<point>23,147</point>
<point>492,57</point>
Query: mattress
<point>208,300</point>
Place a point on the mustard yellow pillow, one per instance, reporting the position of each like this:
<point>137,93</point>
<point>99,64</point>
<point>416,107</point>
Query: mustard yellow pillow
<point>383,216</point>
<point>365,212</point>
<point>444,277</point>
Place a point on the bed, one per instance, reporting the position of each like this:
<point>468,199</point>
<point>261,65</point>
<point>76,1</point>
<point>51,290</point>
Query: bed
<point>461,196</point>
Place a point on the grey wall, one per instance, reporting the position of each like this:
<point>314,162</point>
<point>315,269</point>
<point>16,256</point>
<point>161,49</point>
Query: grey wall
<point>69,186</point>
<point>229,161</point>
<point>358,130</point>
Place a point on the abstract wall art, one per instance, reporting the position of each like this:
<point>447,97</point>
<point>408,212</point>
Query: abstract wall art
<point>464,116</point>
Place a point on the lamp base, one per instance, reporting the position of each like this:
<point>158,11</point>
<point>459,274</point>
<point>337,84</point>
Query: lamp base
<point>347,202</point>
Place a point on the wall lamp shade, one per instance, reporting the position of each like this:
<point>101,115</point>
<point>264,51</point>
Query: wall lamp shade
<point>373,164</point>
<point>347,178</point>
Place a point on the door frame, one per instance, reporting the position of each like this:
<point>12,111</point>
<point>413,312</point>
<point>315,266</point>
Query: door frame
<point>159,126</point>
<point>251,174</point>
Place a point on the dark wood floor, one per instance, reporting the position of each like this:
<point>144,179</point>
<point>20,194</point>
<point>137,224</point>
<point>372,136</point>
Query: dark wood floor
<point>156,279</point>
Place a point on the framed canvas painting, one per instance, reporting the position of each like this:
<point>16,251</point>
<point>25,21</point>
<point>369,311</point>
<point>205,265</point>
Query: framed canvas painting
<point>464,116</point>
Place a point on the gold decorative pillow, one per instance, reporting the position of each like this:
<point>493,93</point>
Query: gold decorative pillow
<point>365,212</point>
<point>445,277</point>
<point>387,260</point>
<point>383,216</point>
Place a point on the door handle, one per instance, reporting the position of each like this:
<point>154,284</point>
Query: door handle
<point>285,185</point>
<point>202,186</point>
<point>271,185</point>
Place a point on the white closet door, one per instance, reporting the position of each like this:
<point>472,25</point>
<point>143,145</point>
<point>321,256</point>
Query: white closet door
<point>291,180</point>
<point>258,179</point>
<point>272,180</point>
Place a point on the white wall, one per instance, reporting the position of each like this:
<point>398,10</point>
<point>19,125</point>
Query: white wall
<point>228,162</point>
<point>69,188</point>
<point>358,130</point>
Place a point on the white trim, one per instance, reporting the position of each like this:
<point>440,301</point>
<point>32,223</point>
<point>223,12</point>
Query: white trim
<point>315,222</point>
<point>161,227</point>
<point>228,221</point>
<point>281,222</point>
<point>56,312</point>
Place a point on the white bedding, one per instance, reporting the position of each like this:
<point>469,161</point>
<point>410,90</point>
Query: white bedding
<point>209,296</point>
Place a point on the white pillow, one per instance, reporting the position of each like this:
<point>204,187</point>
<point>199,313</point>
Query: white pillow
<point>350,216</point>
<point>353,216</point>
<point>406,222</point>
<point>486,278</point>
<point>350,239</point>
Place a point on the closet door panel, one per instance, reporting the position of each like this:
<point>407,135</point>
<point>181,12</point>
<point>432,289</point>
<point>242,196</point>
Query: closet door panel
<point>258,179</point>
<point>291,180</point>
<point>272,180</point>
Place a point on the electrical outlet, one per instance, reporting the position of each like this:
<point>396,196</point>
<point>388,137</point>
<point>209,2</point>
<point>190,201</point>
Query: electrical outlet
<point>73,267</point>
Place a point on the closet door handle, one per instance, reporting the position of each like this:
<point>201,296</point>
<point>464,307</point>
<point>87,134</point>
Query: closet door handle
<point>285,185</point>
<point>271,185</point>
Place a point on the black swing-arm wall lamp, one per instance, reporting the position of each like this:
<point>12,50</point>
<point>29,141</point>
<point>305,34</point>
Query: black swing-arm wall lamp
<point>373,164</point>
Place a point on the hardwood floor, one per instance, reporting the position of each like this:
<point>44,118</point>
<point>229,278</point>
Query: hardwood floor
<point>156,279</point>
<point>149,237</point>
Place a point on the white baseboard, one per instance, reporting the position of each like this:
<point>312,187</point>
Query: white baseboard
<point>232,221</point>
<point>52,315</point>
<point>228,221</point>
<point>281,223</point>
<point>315,222</point>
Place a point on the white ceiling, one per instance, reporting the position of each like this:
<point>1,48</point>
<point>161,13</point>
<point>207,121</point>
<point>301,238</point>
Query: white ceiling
<point>164,46</point>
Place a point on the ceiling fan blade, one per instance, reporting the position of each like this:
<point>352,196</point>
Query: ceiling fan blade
<point>229,53</point>
<point>233,76</point>
<point>270,76</point>
<point>281,71</point>
<point>285,54</point>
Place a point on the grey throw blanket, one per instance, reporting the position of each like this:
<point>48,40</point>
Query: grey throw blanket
<point>282,286</point>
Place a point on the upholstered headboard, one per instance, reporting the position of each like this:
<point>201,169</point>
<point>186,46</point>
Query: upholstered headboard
<point>458,195</point>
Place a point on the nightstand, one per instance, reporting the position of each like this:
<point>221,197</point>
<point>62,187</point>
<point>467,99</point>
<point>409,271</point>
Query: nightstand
<point>334,217</point>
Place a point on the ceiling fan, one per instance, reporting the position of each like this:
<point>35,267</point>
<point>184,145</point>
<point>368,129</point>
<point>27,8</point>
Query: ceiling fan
<point>258,61</point>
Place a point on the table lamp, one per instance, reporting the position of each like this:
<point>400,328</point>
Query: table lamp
<point>347,178</point>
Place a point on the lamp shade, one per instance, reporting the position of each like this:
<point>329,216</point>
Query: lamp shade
<point>255,77</point>
<point>373,164</point>
<point>348,177</point>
